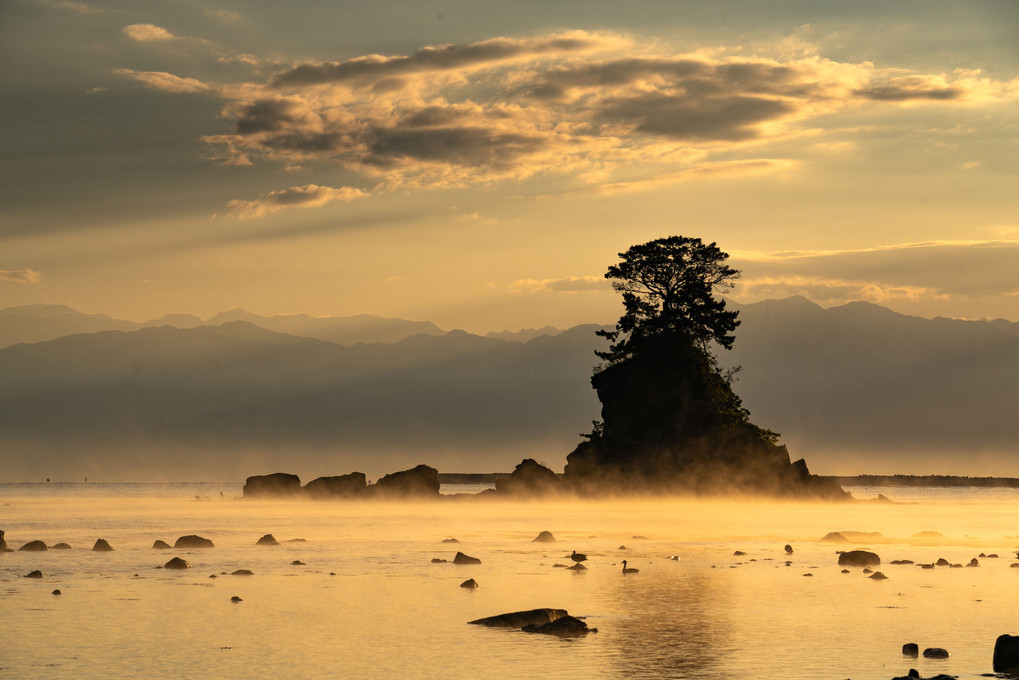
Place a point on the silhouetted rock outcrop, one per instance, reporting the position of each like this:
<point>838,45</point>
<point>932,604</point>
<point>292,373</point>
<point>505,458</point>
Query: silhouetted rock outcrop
<point>420,481</point>
<point>350,485</point>
<point>102,545</point>
<point>34,546</point>
<point>276,484</point>
<point>671,423</point>
<point>62,546</point>
<point>177,563</point>
<point>529,478</point>
<point>268,539</point>
<point>1006,654</point>
<point>465,559</point>
<point>160,545</point>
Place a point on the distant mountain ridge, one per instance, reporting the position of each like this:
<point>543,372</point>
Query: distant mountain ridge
<point>856,388</point>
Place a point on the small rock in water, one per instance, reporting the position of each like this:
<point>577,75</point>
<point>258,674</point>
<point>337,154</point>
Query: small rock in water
<point>102,546</point>
<point>298,563</point>
<point>460,558</point>
<point>544,537</point>
<point>236,599</point>
<point>268,539</point>
<point>622,547</point>
<point>1006,654</point>
<point>911,649</point>
<point>913,674</point>
<point>868,570</point>
<point>34,574</point>
<point>859,558</point>
<point>34,546</point>
<point>469,583</point>
<point>193,541</point>
<point>57,592</point>
<point>577,567</point>
<point>453,540</point>
<point>901,562</point>
<point>788,549</point>
<point>242,572</point>
<point>438,560</point>
<point>564,626</point>
<point>846,571</point>
<point>213,576</point>
<point>63,546</point>
<point>942,562</point>
<point>523,618</point>
<point>973,563</point>
<point>674,558</point>
<point>936,653</point>
<point>177,563</point>
<point>160,545</point>
<point>739,553</point>
<point>878,576</point>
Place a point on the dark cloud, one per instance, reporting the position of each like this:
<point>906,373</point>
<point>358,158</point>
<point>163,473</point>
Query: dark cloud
<point>457,145</point>
<point>442,58</point>
<point>24,276</point>
<point>730,118</point>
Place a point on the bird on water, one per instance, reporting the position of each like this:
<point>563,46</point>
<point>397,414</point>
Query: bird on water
<point>629,570</point>
<point>578,557</point>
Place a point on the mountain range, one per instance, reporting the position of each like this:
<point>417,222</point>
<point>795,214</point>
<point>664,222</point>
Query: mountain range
<point>856,388</point>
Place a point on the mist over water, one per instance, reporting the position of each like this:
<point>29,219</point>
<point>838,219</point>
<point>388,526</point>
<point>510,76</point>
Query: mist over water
<point>368,602</point>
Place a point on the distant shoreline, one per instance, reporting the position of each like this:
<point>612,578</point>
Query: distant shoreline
<point>842,480</point>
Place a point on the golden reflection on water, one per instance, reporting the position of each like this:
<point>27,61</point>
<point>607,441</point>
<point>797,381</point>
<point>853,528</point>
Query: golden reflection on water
<point>369,601</point>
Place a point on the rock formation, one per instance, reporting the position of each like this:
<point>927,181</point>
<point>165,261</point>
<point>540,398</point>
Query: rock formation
<point>192,541</point>
<point>34,546</point>
<point>544,537</point>
<point>529,478</point>
<point>276,484</point>
<point>352,485</point>
<point>101,546</point>
<point>531,617</point>
<point>419,482</point>
<point>859,558</point>
<point>177,563</point>
<point>465,559</point>
<point>268,539</point>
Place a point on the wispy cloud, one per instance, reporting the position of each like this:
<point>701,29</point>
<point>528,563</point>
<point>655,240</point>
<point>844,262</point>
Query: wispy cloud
<point>308,196</point>
<point>569,284</point>
<point>23,276</point>
<point>147,33</point>
<point>936,270</point>
<point>70,6</point>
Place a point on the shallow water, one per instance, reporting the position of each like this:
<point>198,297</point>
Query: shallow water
<point>368,603</point>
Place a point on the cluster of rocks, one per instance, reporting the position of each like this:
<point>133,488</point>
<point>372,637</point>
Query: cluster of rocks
<point>418,482</point>
<point>545,621</point>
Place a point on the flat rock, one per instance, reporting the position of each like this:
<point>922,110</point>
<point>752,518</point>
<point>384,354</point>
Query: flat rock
<point>192,541</point>
<point>531,617</point>
<point>564,626</point>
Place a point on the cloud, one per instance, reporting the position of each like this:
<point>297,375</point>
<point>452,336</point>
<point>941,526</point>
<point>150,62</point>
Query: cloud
<point>701,171</point>
<point>937,270</point>
<point>147,33</point>
<point>23,276</point>
<point>308,196</point>
<point>69,5</point>
<point>165,82</point>
<point>569,284</point>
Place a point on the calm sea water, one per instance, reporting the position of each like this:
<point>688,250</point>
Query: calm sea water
<point>367,602</point>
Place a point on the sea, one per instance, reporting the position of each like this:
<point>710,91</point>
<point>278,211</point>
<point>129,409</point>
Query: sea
<point>353,590</point>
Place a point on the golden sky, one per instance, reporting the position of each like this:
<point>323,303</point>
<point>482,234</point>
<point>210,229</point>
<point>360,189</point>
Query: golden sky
<point>480,164</point>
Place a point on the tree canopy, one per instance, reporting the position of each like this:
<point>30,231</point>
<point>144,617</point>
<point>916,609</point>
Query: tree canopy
<point>668,288</point>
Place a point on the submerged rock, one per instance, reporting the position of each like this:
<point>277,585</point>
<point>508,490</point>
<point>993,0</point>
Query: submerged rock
<point>564,626</point>
<point>242,572</point>
<point>192,541</point>
<point>465,559</point>
<point>34,546</point>
<point>34,574</point>
<point>63,546</point>
<point>450,540</point>
<point>268,539</point>
<point>878,576</point>
<point>911,649</point>
<point>544,537</point>
<point>101,546</point>
<point>161,545</point>
<point>177,563</point>
<point>236,599</point>
<point>469,583</point>
<point>936,653</point>
<point>942,562</point>
<point>859,558</point>
<point>577,567</point>
<point>530,617</point>
<point>788,549</point>
<point>57,592</point>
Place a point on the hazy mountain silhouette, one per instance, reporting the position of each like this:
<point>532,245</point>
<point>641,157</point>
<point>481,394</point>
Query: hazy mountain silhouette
<point>38,323</point>
<point>855,388</point>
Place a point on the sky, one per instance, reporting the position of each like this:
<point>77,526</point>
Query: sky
<point>480,163</point>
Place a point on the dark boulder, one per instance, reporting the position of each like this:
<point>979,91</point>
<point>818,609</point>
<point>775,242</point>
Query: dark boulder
<point>788,549</point>
<point>911,649</point>
<point>276,484</point>
<point>531,617</point>
<point>564,626</point>
<point>192,541</point>
<point>236,598</point>
<point>942,562</point>
<point>57,592</point>
<point>465,559</point>
<point>3,543</point>
<point>529,478</point>
<point>242,572</point>
<point>102,546</point>
<point>1006,654</point>
<point>177,563</point>
<point>544,537</point>
<point>859,558</point>
<point>469,583</point>
<point>439,560</point>
<point>936,653</point>
<point>878,576</point>
<point>34,546</point>
<point>34,574</point>
<point>421,481</point>
<point>160,545</point>
<point>268,539</point>
<point>63,546</point>
<point>351,485</point>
